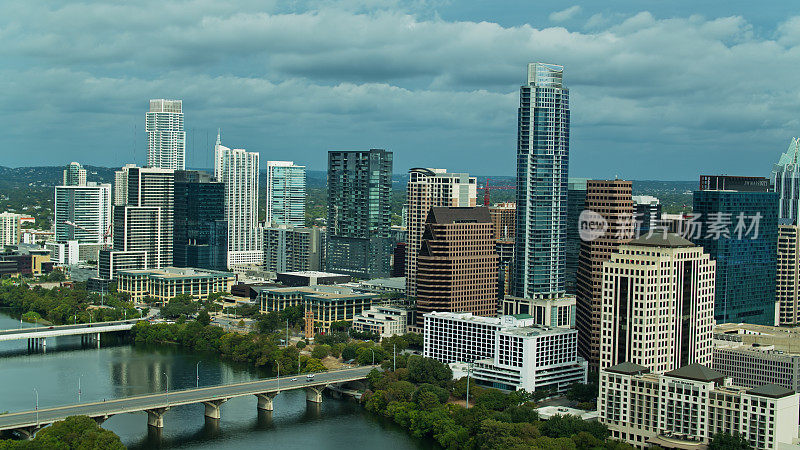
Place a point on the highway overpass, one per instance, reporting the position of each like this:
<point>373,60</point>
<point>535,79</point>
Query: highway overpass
<point>27,423</point>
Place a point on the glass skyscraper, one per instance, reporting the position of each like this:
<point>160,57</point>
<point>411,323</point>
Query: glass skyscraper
<point>200,231</point>
<point>359,214</point>
<point>786,179</point>
<point>286,193</point>
<point>746,258</point>
<point>576,202</point>
<point>542,162</point>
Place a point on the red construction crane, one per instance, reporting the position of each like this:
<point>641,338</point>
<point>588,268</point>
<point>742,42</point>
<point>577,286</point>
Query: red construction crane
<point>487,188</point>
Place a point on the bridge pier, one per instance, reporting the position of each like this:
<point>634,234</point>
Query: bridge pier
<point>27,433</point>
<point>98,340</point>
<point>314,394</point>
<point>155,417</point>
<point>212,408</point>
<point>265,401</point>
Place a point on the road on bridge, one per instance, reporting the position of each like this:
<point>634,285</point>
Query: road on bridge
<point>175,398</point>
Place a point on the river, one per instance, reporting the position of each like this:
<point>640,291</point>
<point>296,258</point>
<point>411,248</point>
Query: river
<point>119,369</point>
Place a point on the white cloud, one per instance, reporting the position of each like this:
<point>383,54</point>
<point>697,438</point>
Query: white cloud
<point>564,14</point>
<point>438,92</point>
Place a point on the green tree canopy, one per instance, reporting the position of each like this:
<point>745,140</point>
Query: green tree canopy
<point>429,370</point>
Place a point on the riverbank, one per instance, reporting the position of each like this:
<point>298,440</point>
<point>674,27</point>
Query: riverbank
<point>121,370</point>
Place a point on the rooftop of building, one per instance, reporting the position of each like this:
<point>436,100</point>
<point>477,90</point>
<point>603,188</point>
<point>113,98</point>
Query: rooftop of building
<point>177,272</point>
<point>628,368</point>
<point>782,339</point>
<point>645,200</point>
<point>450,215</point>
<point>313,273</point>
<point>387,283</point>
<point>319,291</point>
<point>696,372</point>
<point>657,239</point>
<point>771,390</point>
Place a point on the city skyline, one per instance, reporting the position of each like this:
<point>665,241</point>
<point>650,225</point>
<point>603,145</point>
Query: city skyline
<point>629,108</point>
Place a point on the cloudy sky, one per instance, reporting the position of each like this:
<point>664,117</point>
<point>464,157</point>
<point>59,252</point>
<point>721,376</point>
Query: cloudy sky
<point>659,90</point>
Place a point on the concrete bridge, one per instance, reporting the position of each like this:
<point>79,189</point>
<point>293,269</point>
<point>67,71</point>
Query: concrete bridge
<point>27,423</point>
<point>37,336</point>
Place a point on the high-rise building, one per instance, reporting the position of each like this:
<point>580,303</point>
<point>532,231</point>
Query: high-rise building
<point>542,162</point>
<point>200,235</point>
<point>657,304</point>
<point>610,201</point>
<point>508,352</point>
<point>74,175</point>
<point>504,216</point>
<point>292,249</point>
<point>786,179</point>
<point>166,140</point>
<point>735,219</point>
<point>647,211</point>
<point>359,213</point>
<point>787,279</point>
<point>457,263</point>
<point>286,193</point>
<point>146,222</point>
<point>121,185</point>
<point>10,229</point>
<point>428,188</point>
<point>83,213</point>
<point>576,199</point>
<point>238,170</point>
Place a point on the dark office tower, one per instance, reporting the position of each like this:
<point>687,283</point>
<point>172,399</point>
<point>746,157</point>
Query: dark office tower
<point>457,264</point>
<point>399,260</point>
<point>359,215</point>
<point>735,219</point>
<point>504,216</point>
<point>648,214</point>
<point>611,201</point>
<point>542,161</point>
<point>200,231</point>
<point>576,197</point>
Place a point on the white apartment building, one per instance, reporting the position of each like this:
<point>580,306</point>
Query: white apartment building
<point>684,408</point>
<point>83,213</point>
<point>121,185</point>
<point>658,304</point>
<point>166,139</point>
<point>547,309</point>
<point>508,352</point>
<point>384,320</point>
<point>238,170</point>
<point>10,229</point>
<point>286,193</point>
<point>428,188</point>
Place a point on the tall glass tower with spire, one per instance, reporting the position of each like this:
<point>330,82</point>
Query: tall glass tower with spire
<point>542,161</point>
<point>786,179</point>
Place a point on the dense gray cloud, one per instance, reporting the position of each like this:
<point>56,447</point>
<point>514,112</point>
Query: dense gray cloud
<point>652,97</point>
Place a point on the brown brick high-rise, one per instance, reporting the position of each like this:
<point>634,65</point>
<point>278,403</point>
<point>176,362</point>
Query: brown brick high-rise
<point>612,200</point>
<point>457,264</point>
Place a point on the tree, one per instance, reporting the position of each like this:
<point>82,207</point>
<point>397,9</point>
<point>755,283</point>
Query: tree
<point>582,393</point>
<point>728,441</point>
<point>427,401</point>
<point>301,345</point>
<point>495,400</point>
<point>78,432</point>
<point>394,343</point>
<point>349,352</point>
<point>439,392</point>
<point>560,426</point>
<point>342,325</point>
<point>321,351</point>
<point>268,323</point>
<point>460,388</point>
<point>180,305</point>
<point>203,318</point>
<point>414,340</point>
<point>429,370</point>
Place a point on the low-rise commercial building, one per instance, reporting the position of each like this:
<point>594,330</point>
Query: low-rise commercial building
<point>507,352</point>
<point>752,365</point>
<point>164,284</point>
<point>384,320</point>
<point>685,407</point>
<point>322,304</point>
<point>312,278</point>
